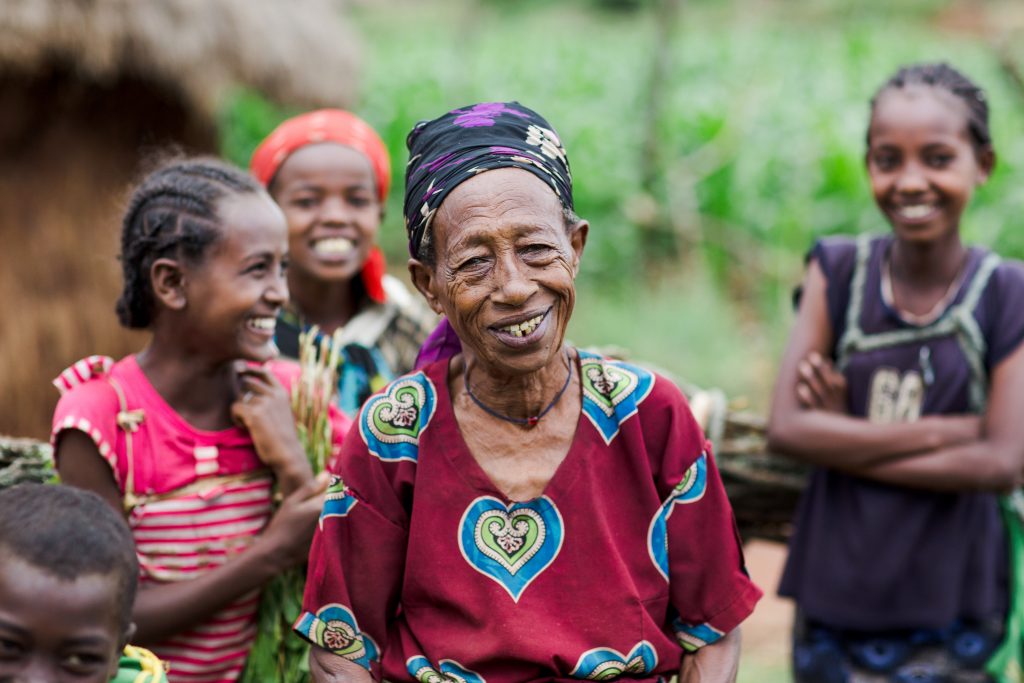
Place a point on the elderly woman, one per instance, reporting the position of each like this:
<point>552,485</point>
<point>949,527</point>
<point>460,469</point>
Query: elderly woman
<point>518,510</point>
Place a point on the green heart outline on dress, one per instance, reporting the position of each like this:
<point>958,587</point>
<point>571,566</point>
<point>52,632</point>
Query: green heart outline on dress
<point>607,385</point>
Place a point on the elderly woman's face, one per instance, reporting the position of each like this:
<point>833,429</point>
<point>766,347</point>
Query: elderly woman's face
<point>504,269</point>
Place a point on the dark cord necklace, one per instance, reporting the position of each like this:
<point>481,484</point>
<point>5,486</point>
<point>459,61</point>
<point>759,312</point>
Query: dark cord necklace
<point>528,421</point>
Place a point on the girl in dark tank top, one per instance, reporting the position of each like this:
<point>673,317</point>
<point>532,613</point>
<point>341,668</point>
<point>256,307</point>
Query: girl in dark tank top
<point>900,383</point>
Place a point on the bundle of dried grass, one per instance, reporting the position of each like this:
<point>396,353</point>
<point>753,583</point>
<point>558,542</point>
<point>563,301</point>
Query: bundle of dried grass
<point>25,460</point>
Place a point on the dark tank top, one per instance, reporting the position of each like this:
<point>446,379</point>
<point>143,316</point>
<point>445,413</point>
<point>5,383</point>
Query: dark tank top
<point>871,556</point>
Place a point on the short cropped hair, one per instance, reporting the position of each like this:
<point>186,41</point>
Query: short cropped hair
<point>69,532</point>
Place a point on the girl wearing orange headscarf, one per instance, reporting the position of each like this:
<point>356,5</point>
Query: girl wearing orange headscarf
<point>329,171</point>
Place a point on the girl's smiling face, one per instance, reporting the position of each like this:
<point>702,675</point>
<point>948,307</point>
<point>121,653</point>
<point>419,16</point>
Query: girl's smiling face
<point>57,630</point>
<point>329,195</point>
<point>921,161</point>
<point>232,297</point>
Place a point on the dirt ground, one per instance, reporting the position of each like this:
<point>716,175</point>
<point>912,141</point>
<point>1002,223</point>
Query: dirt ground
<point>766,633</point>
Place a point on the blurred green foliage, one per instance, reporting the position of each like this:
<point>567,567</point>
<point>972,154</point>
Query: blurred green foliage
<point>761,140</point>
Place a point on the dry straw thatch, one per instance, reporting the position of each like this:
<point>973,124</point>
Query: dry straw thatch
<point>295,51</point>
<point>87,89</point>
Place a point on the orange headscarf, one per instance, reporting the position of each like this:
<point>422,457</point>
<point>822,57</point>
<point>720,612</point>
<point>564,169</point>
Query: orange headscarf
<point>345,128</point>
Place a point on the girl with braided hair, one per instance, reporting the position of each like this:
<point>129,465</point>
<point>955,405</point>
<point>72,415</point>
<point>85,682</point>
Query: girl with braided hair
<point>188,436</point>
<point>902,383</point>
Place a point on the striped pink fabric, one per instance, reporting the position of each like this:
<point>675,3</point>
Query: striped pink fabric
<point>180,537</point>
<point>204,498</point>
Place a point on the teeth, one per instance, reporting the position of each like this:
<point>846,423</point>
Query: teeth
<point>333,245</point>
<point>524,329</point>
<point>262,324</point>
<point>916,211</point>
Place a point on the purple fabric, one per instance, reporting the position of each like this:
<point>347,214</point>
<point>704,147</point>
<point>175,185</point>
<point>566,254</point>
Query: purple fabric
<point>457,146</point>
<point>442,343</point>
<point>871,556</point>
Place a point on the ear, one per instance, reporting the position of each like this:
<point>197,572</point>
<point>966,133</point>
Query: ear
<point>168,280</point>
<point>986,163</point>
<point>578,240</point>
<point>425,280</point>
<point>128,635</point>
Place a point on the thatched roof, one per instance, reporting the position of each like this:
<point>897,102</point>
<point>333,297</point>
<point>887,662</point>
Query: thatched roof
<point>299,52</point>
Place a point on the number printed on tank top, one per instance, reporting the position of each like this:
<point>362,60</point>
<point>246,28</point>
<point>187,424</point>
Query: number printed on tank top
<point>895,396</point>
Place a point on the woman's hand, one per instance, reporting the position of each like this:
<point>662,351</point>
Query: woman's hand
<point>286,540</point>
<point>715,663</point>
<point>326,667</point>
<point>264,409</point>
<point>820,386</point>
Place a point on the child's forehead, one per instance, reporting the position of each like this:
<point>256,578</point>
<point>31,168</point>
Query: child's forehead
<point>919,107</point>
<point>920,97</point>
<point>88,599</point>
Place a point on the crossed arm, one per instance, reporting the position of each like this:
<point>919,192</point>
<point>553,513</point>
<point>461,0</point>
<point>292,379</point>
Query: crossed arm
<point>938,452</point>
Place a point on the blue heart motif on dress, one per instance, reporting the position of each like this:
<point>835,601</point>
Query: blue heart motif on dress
<point>447,671</point>
<point>392,421</point>
<point>335,629</point>
<point>690,489</point>
<point>612,392</point>
<point>604,663</point>
<point>338,502</point>
<point>692,637</point>
<point>511,544</point>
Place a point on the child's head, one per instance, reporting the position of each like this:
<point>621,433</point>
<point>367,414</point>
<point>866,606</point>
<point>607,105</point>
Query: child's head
<point>68,576</point>
<point>204,244</point>
<point>929,146</point>
<point>330,172</point>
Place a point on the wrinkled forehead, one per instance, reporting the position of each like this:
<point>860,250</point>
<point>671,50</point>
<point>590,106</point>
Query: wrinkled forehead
<point>502,200</point>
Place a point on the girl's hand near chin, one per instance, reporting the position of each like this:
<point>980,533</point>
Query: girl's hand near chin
<point>263,407</point>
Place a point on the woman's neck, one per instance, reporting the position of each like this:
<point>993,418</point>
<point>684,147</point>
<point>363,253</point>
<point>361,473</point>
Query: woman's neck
<point>517,396</point>
<point>200,391</point>
<point>329,305</point>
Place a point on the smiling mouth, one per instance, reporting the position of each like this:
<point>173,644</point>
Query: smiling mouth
<point>523,328</point>
<point>915,212</point>
<point>262,324</point>
<point>333,246</point>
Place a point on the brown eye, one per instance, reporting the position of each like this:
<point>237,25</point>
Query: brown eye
<point>885,161</point>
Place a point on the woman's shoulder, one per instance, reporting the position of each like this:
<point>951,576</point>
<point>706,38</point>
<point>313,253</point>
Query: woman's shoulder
<point>393,420</point>
<point>615,389</point>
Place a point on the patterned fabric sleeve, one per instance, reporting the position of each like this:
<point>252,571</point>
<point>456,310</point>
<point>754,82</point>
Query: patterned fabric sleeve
<point>356,561</point>
<point>91,408</point>
<point>693,537</point>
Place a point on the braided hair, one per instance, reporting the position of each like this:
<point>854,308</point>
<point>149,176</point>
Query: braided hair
<point>942,75</point>
<point>173,212</point>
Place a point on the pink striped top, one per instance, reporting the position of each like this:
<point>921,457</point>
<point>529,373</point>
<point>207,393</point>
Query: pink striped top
<point>204,495</point>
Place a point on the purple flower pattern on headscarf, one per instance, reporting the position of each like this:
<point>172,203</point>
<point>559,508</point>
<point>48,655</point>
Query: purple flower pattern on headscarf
<point>483,114</point>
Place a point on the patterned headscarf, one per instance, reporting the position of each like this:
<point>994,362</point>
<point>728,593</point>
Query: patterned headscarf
<point>464,142</point>
<point>344,128</point>
<point>456,147</point>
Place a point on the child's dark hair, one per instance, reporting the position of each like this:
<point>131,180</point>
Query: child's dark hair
<point>942,75</point>
<point>69,532</point>
<point>173,212</point>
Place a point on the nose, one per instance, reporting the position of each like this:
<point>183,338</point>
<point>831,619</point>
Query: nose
<point>911,180</point>
<point>514,286</point>
<point>335,211</point>
<point>277,290</point>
